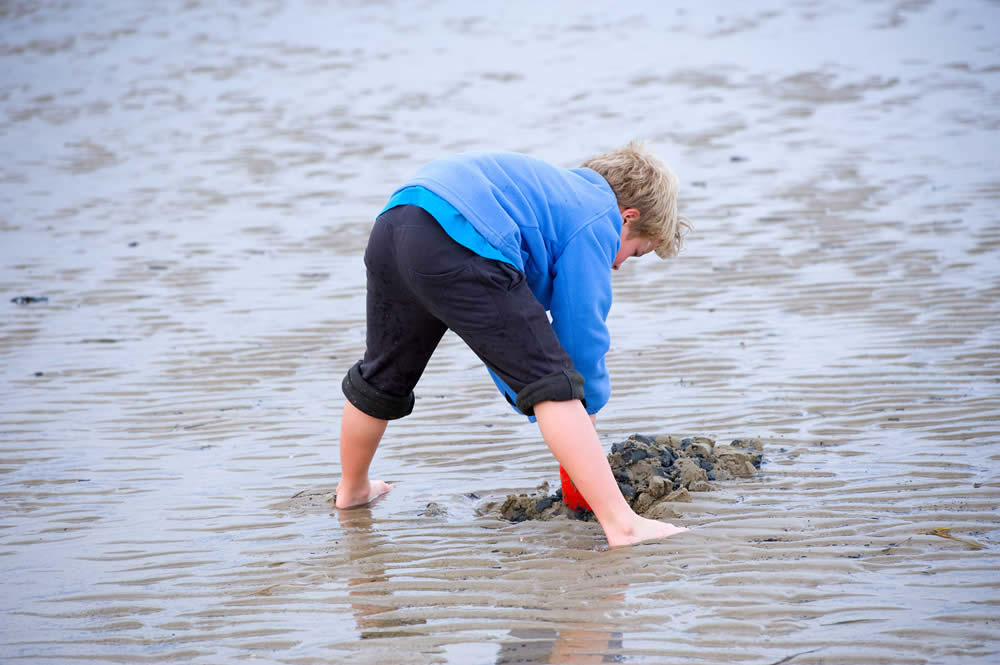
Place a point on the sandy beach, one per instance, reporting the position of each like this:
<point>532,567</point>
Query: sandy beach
<point>185,197</point>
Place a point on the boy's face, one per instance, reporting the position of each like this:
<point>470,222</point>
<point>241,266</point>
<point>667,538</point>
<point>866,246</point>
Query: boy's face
<point>632,245</point>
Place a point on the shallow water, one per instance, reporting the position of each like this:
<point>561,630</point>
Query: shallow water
<point>191,187</point>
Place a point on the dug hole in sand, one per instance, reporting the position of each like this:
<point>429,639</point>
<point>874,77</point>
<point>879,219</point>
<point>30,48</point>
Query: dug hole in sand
<point>653,472</point>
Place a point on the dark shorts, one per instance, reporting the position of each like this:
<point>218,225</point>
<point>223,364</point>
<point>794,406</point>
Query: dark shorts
<point>422,283</point>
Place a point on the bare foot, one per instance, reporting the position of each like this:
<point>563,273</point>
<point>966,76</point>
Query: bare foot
<point>359,496</point>
<point>644,529</point>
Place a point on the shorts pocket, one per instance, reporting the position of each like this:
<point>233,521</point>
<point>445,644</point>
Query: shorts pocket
<point>459,298</point>
<point>440,278</point>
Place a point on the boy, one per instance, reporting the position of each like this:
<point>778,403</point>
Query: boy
<point>483,244</point>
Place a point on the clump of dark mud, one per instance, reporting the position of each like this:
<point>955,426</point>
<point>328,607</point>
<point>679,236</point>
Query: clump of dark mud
<point>653,473</point>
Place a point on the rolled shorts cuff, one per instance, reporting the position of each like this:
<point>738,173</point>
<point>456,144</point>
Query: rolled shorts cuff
<point>373,401</point>
<point>559,387</point>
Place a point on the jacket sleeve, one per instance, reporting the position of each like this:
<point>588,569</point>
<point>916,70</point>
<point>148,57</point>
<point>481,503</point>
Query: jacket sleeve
<point>581,301</point>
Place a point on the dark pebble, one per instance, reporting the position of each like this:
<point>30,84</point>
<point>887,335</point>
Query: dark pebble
<point>39,373</point>
<point>635,455</point>
<point>705,464</point>
<point>543,504</point>
<point>29,300</point>
<point>738,158</point>
<point>627,490</point>
<point>642,438</point>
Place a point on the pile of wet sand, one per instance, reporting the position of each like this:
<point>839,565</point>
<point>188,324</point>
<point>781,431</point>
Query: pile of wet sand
<point>653,472</point>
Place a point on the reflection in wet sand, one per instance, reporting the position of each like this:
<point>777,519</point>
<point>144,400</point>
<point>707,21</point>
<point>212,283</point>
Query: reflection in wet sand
<point>187,193</point>
<point>365,550</point>
<point>539,645</point>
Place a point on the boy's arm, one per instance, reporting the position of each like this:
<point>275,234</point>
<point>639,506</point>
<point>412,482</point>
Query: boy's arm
<point>581,301</point>
<point>575,445</point>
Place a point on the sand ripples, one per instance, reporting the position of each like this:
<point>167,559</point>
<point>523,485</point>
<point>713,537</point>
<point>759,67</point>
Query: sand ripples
<point>191,189</point>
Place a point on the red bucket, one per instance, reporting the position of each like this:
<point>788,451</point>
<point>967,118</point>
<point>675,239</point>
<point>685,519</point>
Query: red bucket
<point>571,495</point>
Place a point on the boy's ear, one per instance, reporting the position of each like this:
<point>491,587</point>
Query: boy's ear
<point>630,215</point>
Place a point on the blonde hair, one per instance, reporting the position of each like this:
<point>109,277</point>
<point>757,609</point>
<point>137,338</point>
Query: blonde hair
<point>641,181</point>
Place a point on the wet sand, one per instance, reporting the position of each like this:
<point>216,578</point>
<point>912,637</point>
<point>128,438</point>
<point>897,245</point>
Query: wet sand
<point>190,189</point>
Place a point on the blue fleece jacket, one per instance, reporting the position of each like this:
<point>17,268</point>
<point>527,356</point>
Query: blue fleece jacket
<point>560,227</point>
